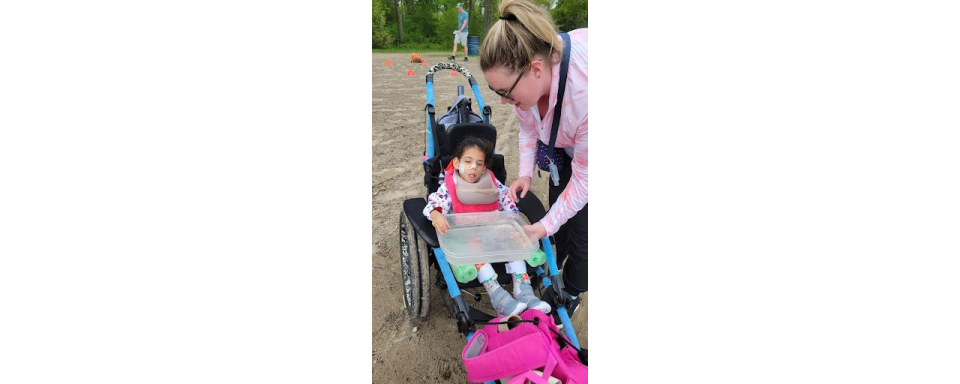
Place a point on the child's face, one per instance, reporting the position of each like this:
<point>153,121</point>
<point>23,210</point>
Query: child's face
<point>474,164</point>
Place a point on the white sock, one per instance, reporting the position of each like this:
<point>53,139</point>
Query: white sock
<point>513,268</point>
<point>485,273</point>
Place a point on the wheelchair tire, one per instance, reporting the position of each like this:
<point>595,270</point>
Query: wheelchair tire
<point>415,269</point>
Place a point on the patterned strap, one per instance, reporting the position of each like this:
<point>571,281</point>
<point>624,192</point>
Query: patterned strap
<point>443,65</point>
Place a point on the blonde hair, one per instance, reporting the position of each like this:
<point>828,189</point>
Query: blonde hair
<point>527,31</point>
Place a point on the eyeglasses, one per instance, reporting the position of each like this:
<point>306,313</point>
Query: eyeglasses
<point>507,94</point>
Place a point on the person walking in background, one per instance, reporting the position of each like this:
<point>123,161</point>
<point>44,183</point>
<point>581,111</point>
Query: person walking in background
<point>460,35</point>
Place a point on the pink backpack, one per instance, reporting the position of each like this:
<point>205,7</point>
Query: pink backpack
<point>529,343</point>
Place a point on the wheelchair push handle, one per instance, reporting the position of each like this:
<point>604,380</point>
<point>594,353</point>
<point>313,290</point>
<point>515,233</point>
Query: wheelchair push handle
<point>453,66</point>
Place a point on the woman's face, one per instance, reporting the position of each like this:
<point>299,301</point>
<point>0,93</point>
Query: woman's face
<point>529,84</point>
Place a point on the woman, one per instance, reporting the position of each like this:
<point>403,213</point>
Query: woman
<point>520,59</point>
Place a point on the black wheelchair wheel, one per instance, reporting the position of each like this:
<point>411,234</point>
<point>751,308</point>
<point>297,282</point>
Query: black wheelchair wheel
<point>415,269</point>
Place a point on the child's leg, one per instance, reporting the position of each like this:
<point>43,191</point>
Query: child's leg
<point>501,300</point>
<point>522,289</point>
<point>518,271</point>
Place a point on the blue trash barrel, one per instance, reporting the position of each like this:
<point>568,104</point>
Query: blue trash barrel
<point>473,45</point>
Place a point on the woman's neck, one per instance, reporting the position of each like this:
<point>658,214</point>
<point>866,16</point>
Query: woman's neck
<point>542,106</point>
<point>546,80</point>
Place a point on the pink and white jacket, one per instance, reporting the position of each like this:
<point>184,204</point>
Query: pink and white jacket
<point>571,135</point>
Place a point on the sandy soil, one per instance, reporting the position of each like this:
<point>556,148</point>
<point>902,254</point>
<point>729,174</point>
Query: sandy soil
<point>425,350</point>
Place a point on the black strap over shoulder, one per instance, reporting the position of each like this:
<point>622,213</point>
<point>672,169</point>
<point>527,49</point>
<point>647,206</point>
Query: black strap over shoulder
<point>564,64</point>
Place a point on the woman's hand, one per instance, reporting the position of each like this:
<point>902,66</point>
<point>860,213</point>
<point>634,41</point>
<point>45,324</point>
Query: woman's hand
<point>535,231</point>
<point>522,184</point>
<point>439,222</point>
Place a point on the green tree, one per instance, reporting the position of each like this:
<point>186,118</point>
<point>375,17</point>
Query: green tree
<point>421,21</point>
<point>468,5</point>
<point>545,4</point>
<point>476,18</point>
<point>381,37</point>
<point>398,10</point>
<point>490,14</point>
<point>447,21</point>
<point>570,14</point>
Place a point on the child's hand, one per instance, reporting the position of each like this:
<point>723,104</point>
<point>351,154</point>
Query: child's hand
<point>440,222</point>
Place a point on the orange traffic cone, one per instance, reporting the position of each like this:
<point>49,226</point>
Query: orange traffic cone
<point>389,63</point>
<point>453,73</point>
<point>423,63</point>
<point>410,72</point>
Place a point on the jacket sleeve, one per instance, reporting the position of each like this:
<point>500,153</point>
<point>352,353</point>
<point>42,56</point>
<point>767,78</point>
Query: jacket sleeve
<point>506,203</point>
<point>528,148</point>
<point>438,200</point>
<point>574,196</point>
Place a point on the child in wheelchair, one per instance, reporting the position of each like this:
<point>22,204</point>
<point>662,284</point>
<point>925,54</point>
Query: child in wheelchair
<point>468,186</point>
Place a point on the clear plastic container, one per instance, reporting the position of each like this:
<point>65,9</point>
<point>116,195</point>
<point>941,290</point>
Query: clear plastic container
<point>485,237</point>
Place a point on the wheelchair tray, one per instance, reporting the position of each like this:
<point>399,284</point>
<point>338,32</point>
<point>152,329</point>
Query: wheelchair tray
<point>485,237</point>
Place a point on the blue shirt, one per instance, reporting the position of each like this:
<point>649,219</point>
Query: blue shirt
<point>460,19</point>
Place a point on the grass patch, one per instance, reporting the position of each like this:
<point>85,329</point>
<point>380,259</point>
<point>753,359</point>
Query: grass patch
<point>420,48</point>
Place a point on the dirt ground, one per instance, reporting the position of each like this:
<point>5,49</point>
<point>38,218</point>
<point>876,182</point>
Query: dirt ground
<point>425,350</point>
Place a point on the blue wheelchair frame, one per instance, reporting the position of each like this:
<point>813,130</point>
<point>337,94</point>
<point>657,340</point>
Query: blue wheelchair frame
<point>453,289</point>
<point>430,108</point>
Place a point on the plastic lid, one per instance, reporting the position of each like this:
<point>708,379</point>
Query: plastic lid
<point>486,237</point>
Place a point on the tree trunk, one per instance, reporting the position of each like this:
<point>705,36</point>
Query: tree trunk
<point>396,6</point>
<point>489,13</point>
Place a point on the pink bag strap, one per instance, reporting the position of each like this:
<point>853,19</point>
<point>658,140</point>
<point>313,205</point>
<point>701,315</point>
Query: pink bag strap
<point>528,375</point>
<point>533,376</point>
<point>521,355</point>
<point>551,364</point>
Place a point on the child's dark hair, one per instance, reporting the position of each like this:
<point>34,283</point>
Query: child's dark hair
<point>468,142</point>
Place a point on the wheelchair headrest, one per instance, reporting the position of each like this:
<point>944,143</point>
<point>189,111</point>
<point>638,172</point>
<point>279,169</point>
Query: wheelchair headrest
<point>457,132</point>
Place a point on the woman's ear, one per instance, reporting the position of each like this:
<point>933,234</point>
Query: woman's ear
<point>536,68</point>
